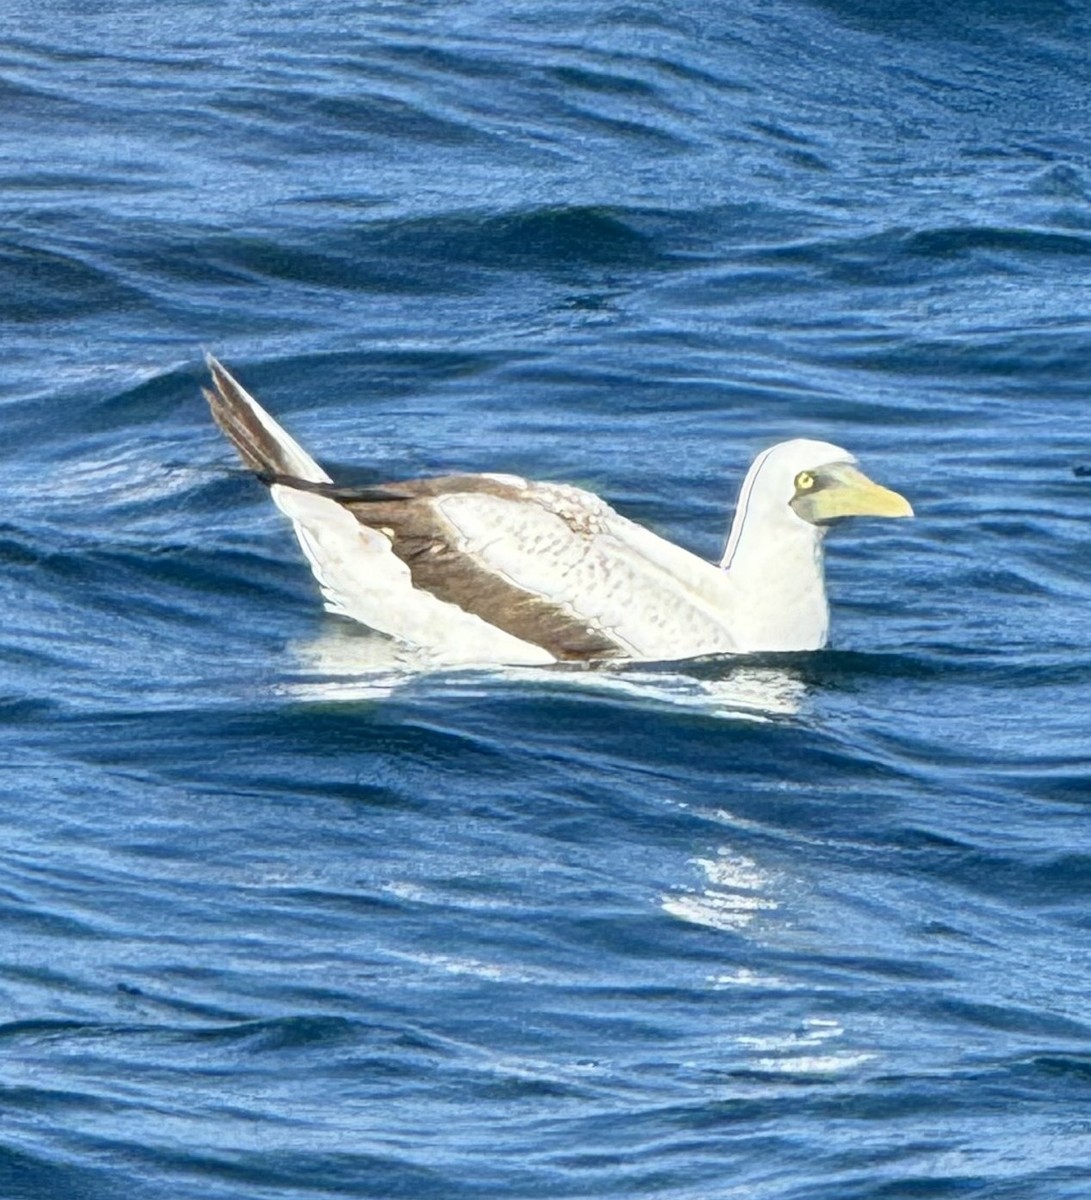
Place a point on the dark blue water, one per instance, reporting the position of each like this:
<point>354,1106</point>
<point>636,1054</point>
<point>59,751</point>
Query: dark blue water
<point>801,929</point>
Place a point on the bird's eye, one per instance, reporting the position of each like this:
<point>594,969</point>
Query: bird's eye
<point>804,481</point>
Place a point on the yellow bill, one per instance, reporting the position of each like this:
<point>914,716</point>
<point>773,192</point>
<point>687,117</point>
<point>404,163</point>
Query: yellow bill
<point>842,490</point>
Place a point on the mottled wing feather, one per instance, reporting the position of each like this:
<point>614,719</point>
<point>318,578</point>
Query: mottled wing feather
<point>439,564</point>
<point>553,565</point>
<point>573,548</point>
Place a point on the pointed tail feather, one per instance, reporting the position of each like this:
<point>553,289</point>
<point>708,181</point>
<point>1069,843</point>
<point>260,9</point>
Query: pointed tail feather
<point>360,575</point>
<point>263,445</point>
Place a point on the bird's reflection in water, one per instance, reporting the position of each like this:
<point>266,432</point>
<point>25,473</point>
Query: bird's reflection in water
<point>346,663</point>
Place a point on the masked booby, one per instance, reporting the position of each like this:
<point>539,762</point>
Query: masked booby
<point>496,569</point>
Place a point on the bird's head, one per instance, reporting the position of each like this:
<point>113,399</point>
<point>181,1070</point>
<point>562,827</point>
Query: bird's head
<point>796,490</point>
<point>818,483</point>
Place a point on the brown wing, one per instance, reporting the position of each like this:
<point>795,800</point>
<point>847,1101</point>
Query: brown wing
<point>404,513</point>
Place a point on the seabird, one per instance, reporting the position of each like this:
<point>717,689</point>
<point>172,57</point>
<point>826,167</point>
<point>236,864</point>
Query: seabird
<point>495,569</point>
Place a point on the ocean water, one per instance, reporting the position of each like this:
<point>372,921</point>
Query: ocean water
<point>799,928</point>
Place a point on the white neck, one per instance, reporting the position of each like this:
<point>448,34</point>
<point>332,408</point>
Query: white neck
<point>775,563</point>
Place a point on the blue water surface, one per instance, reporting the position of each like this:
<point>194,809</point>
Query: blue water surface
<point>801,928</point>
